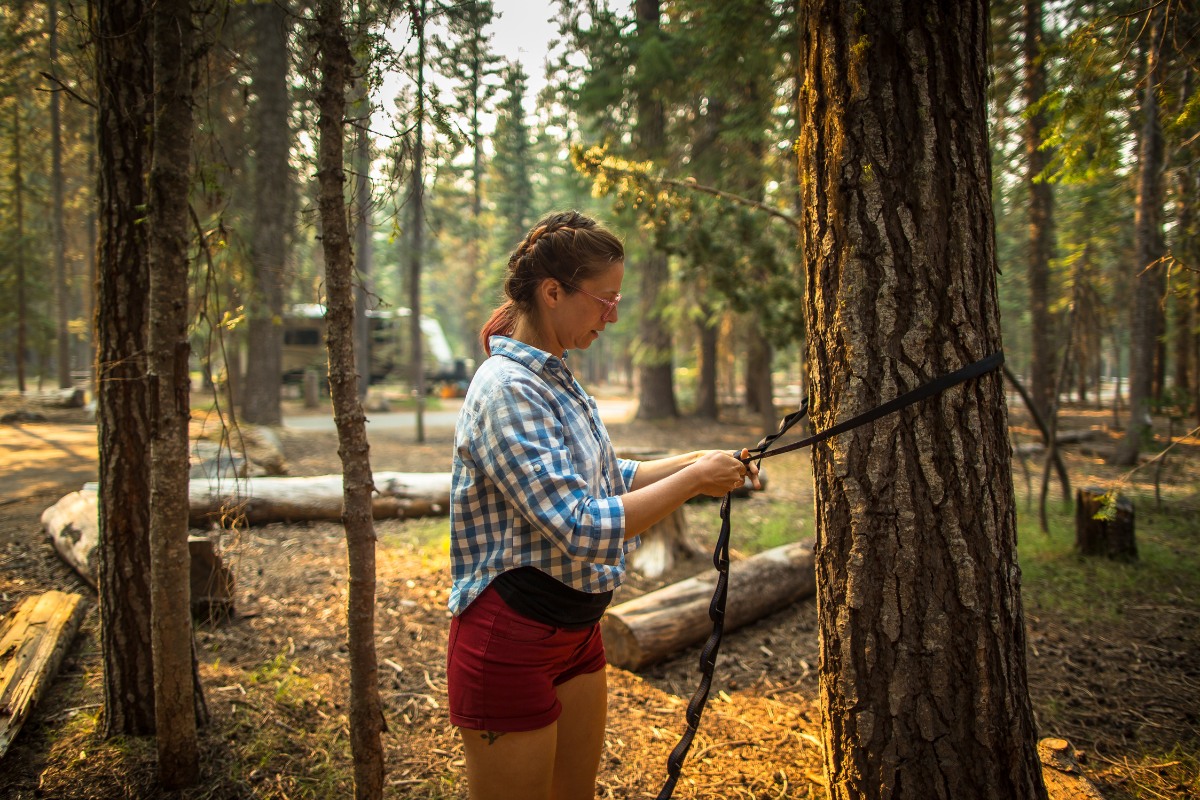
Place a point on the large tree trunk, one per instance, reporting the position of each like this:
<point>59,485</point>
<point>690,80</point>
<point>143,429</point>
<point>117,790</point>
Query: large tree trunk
<point>175,691</point>
<point>923,688</point>
<point>1148,267</point>
<point>260,393</point>
<point>656,378</point>
<point>1041,214</point>
<point>124,91</point>
<point>366,710</point>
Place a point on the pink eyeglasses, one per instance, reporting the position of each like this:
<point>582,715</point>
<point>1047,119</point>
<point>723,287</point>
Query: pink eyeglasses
<point>610,306</point>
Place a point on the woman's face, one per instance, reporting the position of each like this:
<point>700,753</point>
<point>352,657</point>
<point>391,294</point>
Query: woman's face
<point>578,317</point>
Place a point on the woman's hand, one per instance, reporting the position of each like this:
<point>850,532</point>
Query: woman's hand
<point>718,472</point>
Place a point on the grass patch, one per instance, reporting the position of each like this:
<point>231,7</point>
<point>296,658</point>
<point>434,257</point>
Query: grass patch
<point>1086,589</point>
<point>758,524</point>
<point>428,535</point>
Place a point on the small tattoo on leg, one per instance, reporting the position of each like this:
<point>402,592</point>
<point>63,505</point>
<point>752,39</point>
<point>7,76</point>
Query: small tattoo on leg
<point>491,736</point>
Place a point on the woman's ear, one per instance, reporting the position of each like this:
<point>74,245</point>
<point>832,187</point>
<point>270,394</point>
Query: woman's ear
<point>550,291</point>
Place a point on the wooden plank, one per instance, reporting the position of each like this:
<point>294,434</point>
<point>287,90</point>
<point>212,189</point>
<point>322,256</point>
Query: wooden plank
<point>34,637</point>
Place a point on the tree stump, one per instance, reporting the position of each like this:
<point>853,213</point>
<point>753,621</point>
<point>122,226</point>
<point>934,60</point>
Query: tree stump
<point>1104,525</point>
<point>1061,773</point>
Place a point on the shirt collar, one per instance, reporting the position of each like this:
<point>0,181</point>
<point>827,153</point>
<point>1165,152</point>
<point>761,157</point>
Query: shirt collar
<point>525,354</point>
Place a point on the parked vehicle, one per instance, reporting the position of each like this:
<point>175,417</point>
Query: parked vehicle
<point>304,346</point>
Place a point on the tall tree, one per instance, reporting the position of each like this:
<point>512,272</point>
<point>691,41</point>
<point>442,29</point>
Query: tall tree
<point>467,59</point>
<point>124,90</point>
<point>1041,209</point>
<point>169,381</point>
<point>269,230</point>
<point>511,189</point>
<point>416,233</point>
<point>366,710</point>
<point>1148,268</point>
<point>923,689</point>
<point>22,340</point>
<point>656,372</point>
<point>59,243</point>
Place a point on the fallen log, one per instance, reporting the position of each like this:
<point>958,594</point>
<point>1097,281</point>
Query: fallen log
<point>659,623</point>
<point>73,527</point>
<point>34,637</point>
<point>258,501</point>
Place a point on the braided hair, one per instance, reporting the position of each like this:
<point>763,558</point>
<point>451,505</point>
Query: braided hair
<point>565,245</point>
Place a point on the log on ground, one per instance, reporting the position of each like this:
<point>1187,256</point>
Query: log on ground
<point>73,527</point>
<point>660,623</point>
<point>34,637</point>
<point>1061,772</point>
<point>258,501</point>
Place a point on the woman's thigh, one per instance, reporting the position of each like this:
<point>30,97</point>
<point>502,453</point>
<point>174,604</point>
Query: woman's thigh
<point>580,742</point>
<point>503,766</point>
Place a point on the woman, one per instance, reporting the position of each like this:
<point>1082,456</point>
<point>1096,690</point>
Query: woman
<point>542,515</point>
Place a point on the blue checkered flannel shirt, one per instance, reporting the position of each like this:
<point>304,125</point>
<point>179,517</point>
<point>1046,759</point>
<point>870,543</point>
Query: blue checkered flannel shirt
<point>535,479</point>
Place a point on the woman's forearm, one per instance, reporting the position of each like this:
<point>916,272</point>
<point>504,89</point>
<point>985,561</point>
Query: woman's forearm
<point>649,472</point>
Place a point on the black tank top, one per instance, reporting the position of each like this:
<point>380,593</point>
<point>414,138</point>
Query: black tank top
<point>533,593</point>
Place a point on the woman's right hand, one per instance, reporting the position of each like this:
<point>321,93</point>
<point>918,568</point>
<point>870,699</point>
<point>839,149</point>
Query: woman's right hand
<point>718,472</point>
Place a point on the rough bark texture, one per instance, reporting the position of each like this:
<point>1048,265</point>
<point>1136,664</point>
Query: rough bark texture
<point>169,395</point>
<point>1148,270</point>
<point>1041,214</point>
<point>366,711</point>
<point>656,382</point>
<point>923,680</point>
<point>124,95</point>
<point>268,248</point>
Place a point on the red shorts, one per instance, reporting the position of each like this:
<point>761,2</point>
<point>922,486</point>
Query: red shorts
<point>502,667</point>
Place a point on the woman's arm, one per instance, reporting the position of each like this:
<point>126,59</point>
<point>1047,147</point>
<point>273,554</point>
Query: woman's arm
<point>663,485</point>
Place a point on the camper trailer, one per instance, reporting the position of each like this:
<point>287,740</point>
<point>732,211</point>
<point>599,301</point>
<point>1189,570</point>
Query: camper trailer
<point>304,345</point>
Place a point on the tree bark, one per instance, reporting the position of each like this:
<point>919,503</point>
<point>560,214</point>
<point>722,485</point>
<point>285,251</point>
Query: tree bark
<point>923,680</point>
<point>417,229</point>
<point>1148,267</point>
<point>264,376</point>
<point>176,695</point>
<point>1041,213</point>
<point>366,710</point>
<point>656,375</point>
<point>124,95</point>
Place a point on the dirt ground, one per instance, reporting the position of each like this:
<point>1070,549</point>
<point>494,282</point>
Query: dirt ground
<point>1126,693</point>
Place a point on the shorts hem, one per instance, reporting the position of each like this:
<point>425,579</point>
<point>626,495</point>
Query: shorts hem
<point>518,725</point>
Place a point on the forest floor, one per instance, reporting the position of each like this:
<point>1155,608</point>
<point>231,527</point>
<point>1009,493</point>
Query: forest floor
<point>1113,649</point>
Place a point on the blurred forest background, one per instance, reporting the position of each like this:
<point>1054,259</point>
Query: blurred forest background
<point>683,142</point>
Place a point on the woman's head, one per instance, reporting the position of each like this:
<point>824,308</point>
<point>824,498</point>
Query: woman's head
<point>566,247</point>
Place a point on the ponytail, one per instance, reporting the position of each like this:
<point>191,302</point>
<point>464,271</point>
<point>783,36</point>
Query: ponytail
<point>501,323</point>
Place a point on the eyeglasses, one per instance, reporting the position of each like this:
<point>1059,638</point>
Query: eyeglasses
<point>610,306</point>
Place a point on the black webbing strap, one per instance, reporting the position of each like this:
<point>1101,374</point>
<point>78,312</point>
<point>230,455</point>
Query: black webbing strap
<point>716,609</point>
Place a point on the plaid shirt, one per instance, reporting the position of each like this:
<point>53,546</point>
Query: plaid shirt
<point>535,479</point>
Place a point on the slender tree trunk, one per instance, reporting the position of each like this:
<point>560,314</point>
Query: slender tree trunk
<point>366,711</point>
<point>19,209</point>
<point>169,393</point>
<point>62,293</point>
<point>92,261</point>
<point>706,381</point>
<point>124,91</point>
<point>1148,267</point>
<point>418,230</point>
<point>759,391</point>
<point>1041,213</point>
<point>475,303</point>
<point>656,385</point>
<point>260,392</point>
<point>923,681</point>
<point>1187,322</point>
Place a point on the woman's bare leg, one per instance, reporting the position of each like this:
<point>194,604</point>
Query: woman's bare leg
<point>584,701</point>
<point>503,766</point>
